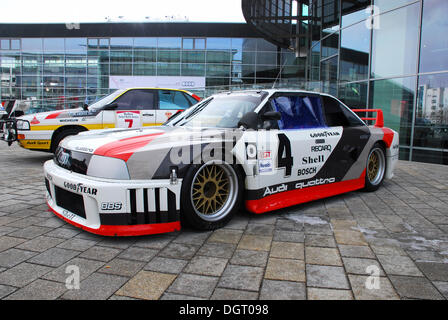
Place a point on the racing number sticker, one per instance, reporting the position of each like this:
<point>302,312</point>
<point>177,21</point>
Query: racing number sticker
<point>284,158</point>
<point>128,119</point>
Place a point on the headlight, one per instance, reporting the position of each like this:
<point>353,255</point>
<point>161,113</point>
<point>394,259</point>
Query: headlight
<point>109,168</point>
<point>22,125</point>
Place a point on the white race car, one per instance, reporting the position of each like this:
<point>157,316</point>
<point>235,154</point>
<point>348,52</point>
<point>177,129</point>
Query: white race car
<point>124,108</point>
<point>265,149</point>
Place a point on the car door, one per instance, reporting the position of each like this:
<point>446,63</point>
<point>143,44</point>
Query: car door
<point>352,141</point>
<point>170,102</point>
<point>294,153</point>
<point>135,108</point>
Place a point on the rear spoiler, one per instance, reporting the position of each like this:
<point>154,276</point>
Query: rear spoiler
<point>379,119</point>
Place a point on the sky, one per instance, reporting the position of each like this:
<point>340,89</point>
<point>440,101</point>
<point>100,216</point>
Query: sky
<point>79,11</point>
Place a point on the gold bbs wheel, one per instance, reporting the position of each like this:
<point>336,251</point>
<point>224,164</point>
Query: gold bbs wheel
<point>376,165</point>
<point>213,191</point>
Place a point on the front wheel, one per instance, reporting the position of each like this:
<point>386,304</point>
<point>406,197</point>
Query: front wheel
<point>376,168</point>
<point>211,195</point>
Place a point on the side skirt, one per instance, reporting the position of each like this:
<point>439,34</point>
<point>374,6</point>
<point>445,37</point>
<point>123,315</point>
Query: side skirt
<point>294,197</point>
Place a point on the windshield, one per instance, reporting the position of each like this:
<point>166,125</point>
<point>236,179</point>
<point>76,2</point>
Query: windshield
<point>106,100</point>
<point>219,111</point>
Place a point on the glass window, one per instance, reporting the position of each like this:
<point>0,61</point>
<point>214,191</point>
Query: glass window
<point>75,44</point>
<point>431,117</point>
<point>199,43</point>
<point>434,47</point>
<point>141,42</point>
<point>395,43</point>
<point>385,5</point>
<point>15,44</point>
<point>267,58</point>
<point>168,55</point>
<point>193,56</point>
<point>218,70</point>
<point>298,112</point>
<point>396,98</point>
<point>354,11</point>
<point>218,56</point>
<point>329,74</point>
<point>121,43</point>
<point>120,69</point>
<point>264,45</point>
<point>139,99</point>
<point>169,99</point>
<point>429,156</point>
<point>144,69</point>
<point>187,43</point>
<point>330,45</point>
<point>354,95</point>
<point>4,44</point>
<point>218,43</point>
<point>193,69</point>
<point>54,45</point>
<point>142,55</point>
<point>168,69</point>
<point>169,43</point>
<point>337,115</point>
<point>32,44</point>
<point>355,47</point>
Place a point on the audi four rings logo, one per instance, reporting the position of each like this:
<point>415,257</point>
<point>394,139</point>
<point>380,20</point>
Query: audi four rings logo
<point>188,83</point>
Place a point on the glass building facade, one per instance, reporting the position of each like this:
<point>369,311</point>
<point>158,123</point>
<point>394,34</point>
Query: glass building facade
<point>55,68</point>
<point>388,54</point>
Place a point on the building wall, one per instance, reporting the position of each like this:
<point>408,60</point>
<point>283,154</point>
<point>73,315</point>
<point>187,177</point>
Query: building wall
<point>388,54</point>
<point>59,66</point>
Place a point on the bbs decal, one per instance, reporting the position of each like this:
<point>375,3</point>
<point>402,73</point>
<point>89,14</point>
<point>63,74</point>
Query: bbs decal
<point>111,206</point>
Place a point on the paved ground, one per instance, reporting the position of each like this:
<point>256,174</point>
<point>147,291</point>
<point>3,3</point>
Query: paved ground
<point>326,249</point>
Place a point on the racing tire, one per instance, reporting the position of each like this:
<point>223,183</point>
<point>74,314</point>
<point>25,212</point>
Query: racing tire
<point>61,135</point>
<point>375,168</point>
<point>211,194</point>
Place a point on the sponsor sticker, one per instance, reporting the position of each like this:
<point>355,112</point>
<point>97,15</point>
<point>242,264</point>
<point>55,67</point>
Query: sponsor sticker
<point>80,188</point>
<point>265,166</point>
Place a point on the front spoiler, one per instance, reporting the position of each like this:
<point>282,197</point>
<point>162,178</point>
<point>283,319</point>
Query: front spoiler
<point>146,207</point>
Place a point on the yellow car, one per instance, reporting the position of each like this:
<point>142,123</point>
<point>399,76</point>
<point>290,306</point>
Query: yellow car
<point>124,108</point>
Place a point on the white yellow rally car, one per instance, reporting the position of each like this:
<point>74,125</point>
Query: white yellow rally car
<point>265,149</point>
<point>124,108</point>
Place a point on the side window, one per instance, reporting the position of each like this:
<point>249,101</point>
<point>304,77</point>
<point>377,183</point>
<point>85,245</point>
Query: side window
<point>172,100</point>
<point>298,112</point>
<point>139,99</point>
<point>190,99</point>
<point>337,115</point>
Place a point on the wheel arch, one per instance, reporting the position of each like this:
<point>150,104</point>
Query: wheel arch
<point>63,128</point>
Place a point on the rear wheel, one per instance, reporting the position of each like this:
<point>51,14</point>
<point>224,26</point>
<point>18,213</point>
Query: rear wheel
<point>376,168</point>
<point>211,194</point>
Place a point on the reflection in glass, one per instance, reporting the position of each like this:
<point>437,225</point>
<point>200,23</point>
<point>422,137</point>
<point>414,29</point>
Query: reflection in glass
<point>218,43</point>
<point>142,42</point>
<point>329,75</point>
<point>54,45</point>
<point>193,69</point>
<point>385,5</point>
<point>31,44</point>
<point>395,43</point>
<point>168,55</point>
<point>354,95</point>
<point>434,43</point>
<point>169,43</point>
<point>431,117</point>
<point>75,44</point>
<point>168,69</point>
<point>430,156</point>
<point>330,45</point>
<point>396,98</point>
<point>355,47</point>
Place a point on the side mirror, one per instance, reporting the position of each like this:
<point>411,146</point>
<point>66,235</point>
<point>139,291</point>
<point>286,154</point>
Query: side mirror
<point>249,121</point>
<point>271,115</point>
<point>85,106</point>
<point>111,106</point>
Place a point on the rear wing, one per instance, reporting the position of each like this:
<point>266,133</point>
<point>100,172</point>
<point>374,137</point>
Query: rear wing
<point>379,119</point>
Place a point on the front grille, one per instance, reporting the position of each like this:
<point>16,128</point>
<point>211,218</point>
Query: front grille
<point>72,160</point>
<point>70,201</point>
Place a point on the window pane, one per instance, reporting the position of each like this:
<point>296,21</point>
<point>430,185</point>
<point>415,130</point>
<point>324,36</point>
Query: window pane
<point>396,98</point>
<point>121,43</point>
<point>142,55</point>
<point>355,46</point>
<point>168,55</point>
<point>330,45</point>
<point>385,5</point>
<point>337,115</point>
<point>168,69</point>
<point>54,45</point>
<point>328,75</point>
<point>199,43</point>
<point>354,11</point>
<point>354,95</point>
<point>32,44</point>
<point>75,44</point>
<point>298,112</point>
<point>431,119</point>
<point>434,47</point>
<point>395,43</point>
<point>187,43</point>
<point>144,69</point>
<point>169,43</point>
<point>193,69</point>
<point>218,56</point>
<point>193,56</point>
<point>218,43</point>
<point>141,42</point>
<point>428,156</point>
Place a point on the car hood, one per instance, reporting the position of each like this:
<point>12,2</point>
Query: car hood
<point>150,152</point>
